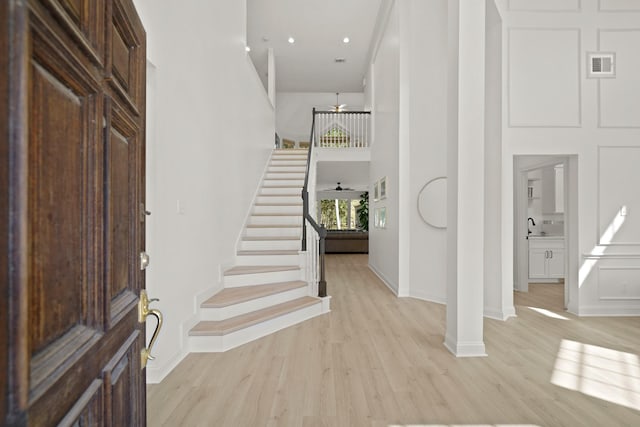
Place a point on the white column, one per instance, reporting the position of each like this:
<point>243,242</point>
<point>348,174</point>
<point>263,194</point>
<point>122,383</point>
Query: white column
<point>465,171</point>
<point>404,153</point>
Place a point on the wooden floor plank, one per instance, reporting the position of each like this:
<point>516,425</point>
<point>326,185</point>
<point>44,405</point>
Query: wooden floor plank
<point>378,360</point>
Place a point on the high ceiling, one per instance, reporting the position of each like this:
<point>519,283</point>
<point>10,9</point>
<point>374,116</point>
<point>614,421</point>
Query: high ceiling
<point>318,27</point>
<point>350,175</point>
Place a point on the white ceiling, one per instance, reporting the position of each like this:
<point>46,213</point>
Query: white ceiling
<point>318,28</point>
<point>350,175</point>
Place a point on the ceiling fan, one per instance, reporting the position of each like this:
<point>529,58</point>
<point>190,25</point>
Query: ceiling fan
<point>338,108</point>
<point>339,188</point>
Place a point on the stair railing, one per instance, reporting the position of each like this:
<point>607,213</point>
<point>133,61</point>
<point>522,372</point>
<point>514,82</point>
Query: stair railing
<point>342,129</point>
<point>320,230</point>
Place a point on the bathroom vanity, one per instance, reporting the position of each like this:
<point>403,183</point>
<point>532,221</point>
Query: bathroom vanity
<point>546,258</point>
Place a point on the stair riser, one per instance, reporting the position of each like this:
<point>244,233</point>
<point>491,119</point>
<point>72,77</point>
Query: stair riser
<point>287,169</point>
<point>289,200</point>
<point>299,176</point>
<point>289,162</point>
<point>292,182</point>
<point>224,313</point>
<point>291,192</point>
<point>276,220</point>
<point>273,232</point>
<point>204,344</point>
<point>276,245</point>
<point>290,210</point>
<point>261,278</point>
<point>289,153</point>
<point>268,259</point>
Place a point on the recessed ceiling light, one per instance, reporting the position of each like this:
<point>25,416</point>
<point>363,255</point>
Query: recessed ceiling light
<point>345,40</point>
<point>291,40</point>
<point>247,48</point>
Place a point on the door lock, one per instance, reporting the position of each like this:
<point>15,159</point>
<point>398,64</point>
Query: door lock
<point>144,260</point>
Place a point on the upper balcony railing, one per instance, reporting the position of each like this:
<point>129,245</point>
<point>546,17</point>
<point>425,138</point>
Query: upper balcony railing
<point>345,129</point>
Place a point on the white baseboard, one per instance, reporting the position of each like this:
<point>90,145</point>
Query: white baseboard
<point>500,314</point>
<point>157,372</point>
<point>427,297</point>
<point>597,311</point>
<point>384,280</point>
<point>465,349</point>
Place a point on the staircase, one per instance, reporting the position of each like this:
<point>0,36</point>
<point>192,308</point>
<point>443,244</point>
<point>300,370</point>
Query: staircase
<point>265,291</point>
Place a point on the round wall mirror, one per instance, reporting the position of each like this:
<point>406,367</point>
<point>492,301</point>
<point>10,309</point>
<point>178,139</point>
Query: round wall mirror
<point>432,203</point>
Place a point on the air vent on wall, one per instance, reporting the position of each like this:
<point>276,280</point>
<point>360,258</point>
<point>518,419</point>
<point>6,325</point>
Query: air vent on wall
<point>602,64</point>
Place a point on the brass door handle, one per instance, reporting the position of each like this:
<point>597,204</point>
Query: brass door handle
<point>143,312</point>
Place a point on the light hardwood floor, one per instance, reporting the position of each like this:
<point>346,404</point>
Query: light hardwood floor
<point>377,360</point>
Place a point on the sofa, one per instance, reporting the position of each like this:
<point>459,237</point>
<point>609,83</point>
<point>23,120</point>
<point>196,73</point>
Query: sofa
<point>347,241</point>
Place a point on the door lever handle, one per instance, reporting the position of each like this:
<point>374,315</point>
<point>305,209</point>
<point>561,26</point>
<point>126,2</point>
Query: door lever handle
<point>143,312</point>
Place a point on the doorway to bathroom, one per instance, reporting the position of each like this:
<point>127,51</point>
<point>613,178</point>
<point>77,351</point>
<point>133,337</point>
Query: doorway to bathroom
<point>545,216</point>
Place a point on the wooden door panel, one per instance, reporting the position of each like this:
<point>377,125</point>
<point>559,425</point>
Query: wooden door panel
<point>88,410</point>
<point>126,64</point>
<point>84,21</point>
<point>122,144</point>
<point>71,183</point>
<point>59,116</point>
<point>122,383</point>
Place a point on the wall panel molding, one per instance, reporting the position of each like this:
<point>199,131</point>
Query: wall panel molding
<point>619,283</point>
<point>544,5</point>
<point>544,84</point>
<point>618,177</point>
<point>618,6</point>
<point>626,84</point>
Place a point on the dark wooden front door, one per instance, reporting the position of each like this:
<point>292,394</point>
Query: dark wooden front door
<point>72,87</point>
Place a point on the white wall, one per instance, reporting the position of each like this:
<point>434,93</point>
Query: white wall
<point>553,108</point>
<point>293,110</point>
<point>426,79</point>
<point>383,243</point>
<point>214,131</point>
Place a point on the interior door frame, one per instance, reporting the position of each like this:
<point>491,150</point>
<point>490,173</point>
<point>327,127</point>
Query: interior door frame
<point>520,244</point>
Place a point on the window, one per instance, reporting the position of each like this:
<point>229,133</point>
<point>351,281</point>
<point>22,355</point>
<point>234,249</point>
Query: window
<point>339,214</point>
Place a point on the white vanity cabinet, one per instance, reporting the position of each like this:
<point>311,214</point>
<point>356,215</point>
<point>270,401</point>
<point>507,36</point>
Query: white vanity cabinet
<point>546,257</point>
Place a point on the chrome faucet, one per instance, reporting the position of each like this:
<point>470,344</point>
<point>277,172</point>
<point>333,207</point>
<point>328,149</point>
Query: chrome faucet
<point>532,223</point>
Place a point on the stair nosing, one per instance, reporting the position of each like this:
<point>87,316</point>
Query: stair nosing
<point>265,252</point>
<point>276,311</point>
<point>262,291</point>
<point>297,205</point>
<point>259,269</point>
<point>269,238</point>
<point>275,214</point>
<point>274,225</point>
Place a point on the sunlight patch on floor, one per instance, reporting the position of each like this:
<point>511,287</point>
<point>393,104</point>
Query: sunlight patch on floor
<point>599,372</point>
<point>548,313</point>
